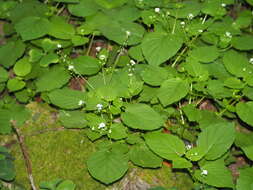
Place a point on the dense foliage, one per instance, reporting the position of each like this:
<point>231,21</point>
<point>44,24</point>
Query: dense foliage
<point>171,81</point>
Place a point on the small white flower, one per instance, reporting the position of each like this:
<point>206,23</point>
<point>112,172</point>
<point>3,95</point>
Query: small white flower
<point>130,74</point>
<point>93,128</point>
<point>182,23</point>
<point>190,16</point>
<point>70,67</point>
<point>250,72</point>
<point>188,146</point>
<point>251,60</point>
<point>82,30</point>
<point>128,33</point>
<point>204,172</point>
<point>81,141</point>
<point>99,107</point>
<point>228,34</point>
<point>132,62</point>
<point>167,13</point>
<point>244,69</point>
<point>223,5</point>
<point>101,125</point>
<point>110,131</point>
<point>195,153</point>
<point>102,57</point>
<point>200,31</point>
<point>98,48</point>
<point>59,45</point>
<point>157,10</point>
<point>81,102</point>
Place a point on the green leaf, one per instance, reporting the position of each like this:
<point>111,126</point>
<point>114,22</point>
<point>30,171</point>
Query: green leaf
<point>67,98</point>
<point>15,84</point>
<point>172,90</point>
<point>66,185</point>
<point>67,1</point>
<point>107,166</point>
<point>217,174</point>
<point>141,116</point>
<point>84,8</point>
<point>7,171</point>
<point>167,146</point>
<point>79,40</point>
<point>49,59</point>
<point>213,8</point>
<point>72,119</point>
<point>213,142</point>
<point>244,42</point>
<point>5,125</point>
<point>4,75</point>
<point>185,8</point>
<point>86,65</point>
<point>50,185</point>
<point>10,52</point>
<point>141,156</point>
<point>181,163</point>
<point>244,141</point>
<point>154,75</point>
<point>248,92</point>
<point>122,32</point>
<point>118,131</point>
<point>56,77</point>
<point>59,28</point>
<point>22,67</point>
<point>32,27</point>
<point>110,4</point>
<point>245,179</point>
<point>205,54</point>
<point>159,47</point>
<point>244,111</point>
<point>136,53</point>
<point>235,63</point>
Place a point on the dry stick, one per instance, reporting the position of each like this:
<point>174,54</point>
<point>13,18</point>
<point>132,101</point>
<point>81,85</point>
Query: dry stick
<point>25,155</point>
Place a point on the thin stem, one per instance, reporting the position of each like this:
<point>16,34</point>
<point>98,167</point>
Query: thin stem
<point>90,45</point>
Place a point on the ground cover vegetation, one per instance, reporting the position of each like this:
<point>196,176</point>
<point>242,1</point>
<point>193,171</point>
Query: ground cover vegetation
<point>151,83</point>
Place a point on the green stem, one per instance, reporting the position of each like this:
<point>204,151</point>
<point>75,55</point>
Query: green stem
<point>90,45</point>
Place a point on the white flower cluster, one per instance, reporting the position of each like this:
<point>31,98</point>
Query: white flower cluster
<point>190,16</point>
<point>71,67</point>
<point>228,34</point>
<point>80,103</point>
<point>204,172</point>
<point>251,60</point>
<point>157,10</point>
<point>99,107</point>
<point>102,57</point>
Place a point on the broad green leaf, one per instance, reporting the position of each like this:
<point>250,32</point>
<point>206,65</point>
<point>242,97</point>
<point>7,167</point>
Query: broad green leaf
<point>186,8</point>
<point>66,185</point>
<point>244,42</point>
<point>245,179</point>
<point>250,2</point>
<point>5,125</point>
<point>232,82</point>
<point>79,40</point>
<point>7,171</point>
<point>110,4</point>
<point>244,141</point>
<point>136,53</point>
<point>243,20</point>
<point>235,63</point>
<point>213,142</point>
<point>10,52</point>
<point>172,90</point>
<point>159,47</point>
<point>118,131</point>
<point>67,98</point>
<point>59,28</point>
<point>141,156</point>
<point>122,32</point>
<point>217,174</point>
<point>56,77</point>
<point>192,113</point>
<point>167,146</point>
<point>244,111</point>
<point>248,92</point>
<point>86,65</point>
<point>141,116</point>
<point>49,59</point>
<point>72,119</point>
<point>50,184</point>
<point>213,8</point>
<point>67,1</point>
<point>216,89</point>
<point>84,8</point>
<point>181,163</point>
<point>15,84</point>
<point>28,9</point>
<point>107,166</point>
<point>154,75</point>
<point>22,67</point>
<point>35,55</point>
<point>3,75</point>
<point>205,54</point>
<point>32,27</point>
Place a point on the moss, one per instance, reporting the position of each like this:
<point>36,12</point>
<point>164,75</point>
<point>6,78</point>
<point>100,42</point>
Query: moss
<point>62,154</point>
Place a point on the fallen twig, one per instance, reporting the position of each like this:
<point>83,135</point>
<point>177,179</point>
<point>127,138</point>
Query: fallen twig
<point>23,148</point>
